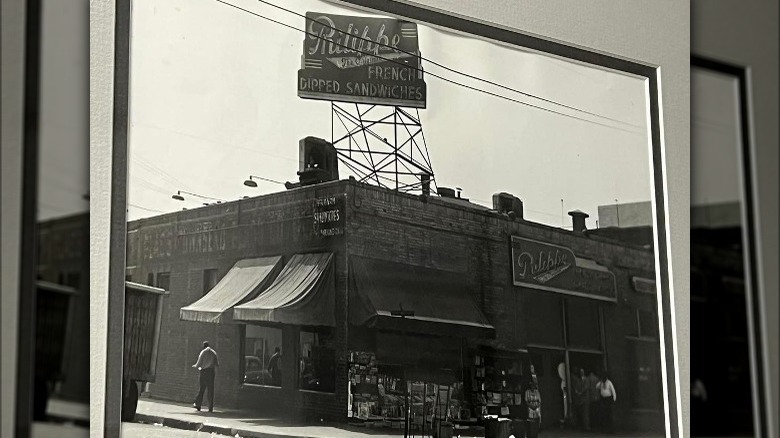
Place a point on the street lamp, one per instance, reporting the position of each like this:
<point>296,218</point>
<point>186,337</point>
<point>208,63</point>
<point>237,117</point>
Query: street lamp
<point>178,196</point>
<point>251,181</point>
<point>406,314</point>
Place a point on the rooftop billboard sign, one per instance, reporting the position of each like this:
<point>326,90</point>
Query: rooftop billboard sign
<point>361,60</point>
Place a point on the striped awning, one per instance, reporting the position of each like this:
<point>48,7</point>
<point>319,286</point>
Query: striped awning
<point>302,294</point>
<point>243,282</point>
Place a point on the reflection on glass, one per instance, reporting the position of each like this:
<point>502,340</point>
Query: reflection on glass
<point>262,356</point>
<point>61,369</point>
<point>720,341</point>
<point>317,365</point>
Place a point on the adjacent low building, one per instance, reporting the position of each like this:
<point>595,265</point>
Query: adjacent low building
<point>362,289</point>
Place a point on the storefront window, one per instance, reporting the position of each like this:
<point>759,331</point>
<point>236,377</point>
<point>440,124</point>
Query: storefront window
<point>317,362</point>
<point>164,280</point>
<point>209,280</point>
<point>648,325</point>
<point>646,366</point>
<point>544,306</point>
<point>583,326</point>
<point>262,356</point>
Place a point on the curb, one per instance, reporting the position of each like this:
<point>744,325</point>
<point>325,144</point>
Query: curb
<point>205,427</point>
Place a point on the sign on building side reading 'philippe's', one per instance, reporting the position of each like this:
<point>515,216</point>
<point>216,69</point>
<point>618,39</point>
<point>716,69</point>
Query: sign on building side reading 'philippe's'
<point>555,268</point>
<point>361,60</point>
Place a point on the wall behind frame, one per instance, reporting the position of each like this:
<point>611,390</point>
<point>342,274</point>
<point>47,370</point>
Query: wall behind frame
<point>13,13</point>
<point>101,71</point>
<point>652,32</point>
<point>746,33</point>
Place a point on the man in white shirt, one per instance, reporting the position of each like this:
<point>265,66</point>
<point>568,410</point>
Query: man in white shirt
<point>206,364</point>
<point>608,396</point>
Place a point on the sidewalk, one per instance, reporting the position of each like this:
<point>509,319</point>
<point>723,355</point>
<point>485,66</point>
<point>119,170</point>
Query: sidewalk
<point>247,424</point>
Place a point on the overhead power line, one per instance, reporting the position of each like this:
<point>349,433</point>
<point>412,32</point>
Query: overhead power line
<point>450,69</point>
<point>428,73</point>
<point>153,210</point>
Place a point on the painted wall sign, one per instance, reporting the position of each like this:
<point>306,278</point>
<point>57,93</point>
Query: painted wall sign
<point>555,268</point>
<point>329,216</point>
<point>361,60</point>
<point>644,285</point>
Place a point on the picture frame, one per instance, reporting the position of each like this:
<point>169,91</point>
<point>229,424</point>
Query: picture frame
<point>734,211</point>
<point>646,71</point>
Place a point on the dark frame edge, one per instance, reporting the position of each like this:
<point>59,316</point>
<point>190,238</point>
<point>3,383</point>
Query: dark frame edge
<point>118,223</point>
<point>25,371</point>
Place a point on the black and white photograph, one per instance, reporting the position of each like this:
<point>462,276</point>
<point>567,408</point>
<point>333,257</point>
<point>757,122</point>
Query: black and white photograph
<point>344,221</point>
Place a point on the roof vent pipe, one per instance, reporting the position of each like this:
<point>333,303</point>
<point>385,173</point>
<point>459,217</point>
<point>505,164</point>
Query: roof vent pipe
<point>578,220</point>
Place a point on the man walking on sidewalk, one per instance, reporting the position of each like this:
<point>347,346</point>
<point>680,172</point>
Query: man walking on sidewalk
<point>206,364</point>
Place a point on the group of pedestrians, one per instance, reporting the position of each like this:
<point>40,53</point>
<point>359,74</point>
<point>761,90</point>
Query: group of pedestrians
<point>593,398</point>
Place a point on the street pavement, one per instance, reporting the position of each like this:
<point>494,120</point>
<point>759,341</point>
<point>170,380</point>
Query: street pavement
<point>172,419</point>
<point>135,430</point>
<point>245,424</point>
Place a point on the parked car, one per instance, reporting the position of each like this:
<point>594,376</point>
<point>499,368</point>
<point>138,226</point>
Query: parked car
<point>254,371</point>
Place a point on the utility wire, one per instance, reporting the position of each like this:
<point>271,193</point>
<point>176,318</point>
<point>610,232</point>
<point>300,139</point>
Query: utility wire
<point>208,140</point>
<point>154,168</point>
<point>450,69</point>
<point>266,179</point>
<point>153,210</point>
<point>460,84</point>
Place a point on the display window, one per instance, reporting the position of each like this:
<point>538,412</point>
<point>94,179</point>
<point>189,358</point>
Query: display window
<point>317,361</point>
<point>262,356</point>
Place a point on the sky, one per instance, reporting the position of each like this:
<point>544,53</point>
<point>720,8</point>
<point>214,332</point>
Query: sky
<point>63,156</point>
<point>213,100</point>
<point>715,172</point>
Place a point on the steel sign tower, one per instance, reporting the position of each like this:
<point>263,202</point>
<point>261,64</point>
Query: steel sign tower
<point>370,70</point>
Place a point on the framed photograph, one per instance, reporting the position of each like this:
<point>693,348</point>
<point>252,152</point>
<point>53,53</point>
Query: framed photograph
<point>303,181</point>
<point>45,303</point>
<point>726,296</point>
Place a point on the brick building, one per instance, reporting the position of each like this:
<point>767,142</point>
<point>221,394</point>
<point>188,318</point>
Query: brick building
<point>361,284</point>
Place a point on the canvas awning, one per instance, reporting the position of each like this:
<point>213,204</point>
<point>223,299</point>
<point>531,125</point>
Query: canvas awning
<point>145,288</point>
<point>439,300</point>
<point>302,294</point>
<point>243,282</point>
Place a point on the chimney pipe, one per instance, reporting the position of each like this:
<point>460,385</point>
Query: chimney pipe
<point>505,202</point>
<point>578,220</point>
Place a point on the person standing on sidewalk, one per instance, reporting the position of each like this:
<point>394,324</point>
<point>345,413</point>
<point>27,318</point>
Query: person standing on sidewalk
<point>583,399</point>
<point>533,400</point>
<point>594,400</point>
<point>206,364</point>
<point>608,396</point>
